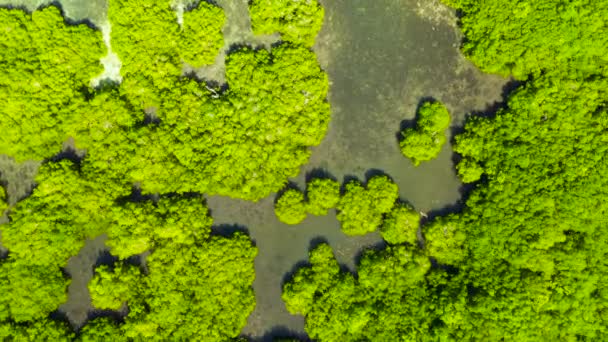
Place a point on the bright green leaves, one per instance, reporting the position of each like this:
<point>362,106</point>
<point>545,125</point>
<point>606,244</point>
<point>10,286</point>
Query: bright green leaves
<point>290,207</point>
<point>356,211</point>
<point>30,292</point>
<point>110,289</point>
<point>535,223</point>
<point>44,64</point>
<point>558,36</point>
<point>187,290</point>
<point>425,141</point>
<point>243,142</point>
<point>300,292</point>
<point>152,46</point>
<point>43,330</point>
<point>322,194</point>
<point>52,224</point>
<point>186,263</point>
<point>297,21</point>
<point>400,225</point>
<point>201,36</point>
<point>446,240</point>
<point>389,299</point>
<point>360,210</point>
<point>3,200</point>
<point>139,227</point>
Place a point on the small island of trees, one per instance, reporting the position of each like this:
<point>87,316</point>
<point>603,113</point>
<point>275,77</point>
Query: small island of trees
<point>424,142</point>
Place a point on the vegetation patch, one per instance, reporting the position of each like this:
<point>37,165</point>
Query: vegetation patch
<point>424,142</point>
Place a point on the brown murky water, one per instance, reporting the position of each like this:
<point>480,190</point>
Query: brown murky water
<point>382,57</point>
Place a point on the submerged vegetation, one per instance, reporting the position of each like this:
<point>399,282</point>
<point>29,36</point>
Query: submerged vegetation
<point>424,142</point>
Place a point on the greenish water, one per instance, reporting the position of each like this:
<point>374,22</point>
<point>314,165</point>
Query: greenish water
<point>382,57</point>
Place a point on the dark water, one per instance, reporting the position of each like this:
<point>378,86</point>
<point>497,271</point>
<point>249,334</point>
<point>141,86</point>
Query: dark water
<point>382,57</point>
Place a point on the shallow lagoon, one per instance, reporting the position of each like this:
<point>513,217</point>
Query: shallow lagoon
<point>382,57</point>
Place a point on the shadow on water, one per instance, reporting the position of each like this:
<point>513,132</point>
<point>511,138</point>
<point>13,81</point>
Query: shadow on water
<point>319,173</point>
<point>289,186</point>
<point>279,334</point>
<point>228,230</point>
<point>314,243</point>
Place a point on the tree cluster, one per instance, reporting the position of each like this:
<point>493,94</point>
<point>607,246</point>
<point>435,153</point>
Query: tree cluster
<point>322,194</point>
<point>169,134</point>
<point>361,209</point>
<point>296,21</point>
<point>191,280</point>
<point>424,142</point>
<point>44,64</point>
<point>167,131</point>
<point>388,300</point>
<point>525,259</point>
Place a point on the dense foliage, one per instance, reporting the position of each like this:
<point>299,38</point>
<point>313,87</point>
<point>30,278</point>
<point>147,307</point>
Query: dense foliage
<point>158,128</point>
<point>424,142</point>
<point>529,38</point>
<point>361,209</point>
<point>65,209</point>
<point>388,300</point>
<point>400,225</point>
<point>166,133</point>
<point>44,64</point>
<point>322,194</point>
<point>152,47</point>
<point>3,204</point>
<point>290,207</point>
<point>190,285</point>
<point>297,21</point>
<point>525,259</point>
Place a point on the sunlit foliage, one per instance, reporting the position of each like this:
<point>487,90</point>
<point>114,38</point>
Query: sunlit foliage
<point>298,21</point>
<point>424,142</point>
<point>110,288</point>
<point>190,285</point>
<point>388,300</point>
<point>3,200</point>
<point>525,259</point>
<point>152,46</point>
<point>527,38</point>
<point>290,207</point>
<point>361,209</point>
<point>400,225</point>
<point>322,194</point>
<point>44,64</point>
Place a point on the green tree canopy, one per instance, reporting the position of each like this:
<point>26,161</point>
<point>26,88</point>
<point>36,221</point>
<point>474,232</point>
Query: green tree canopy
<point>290,207</point>
<point>424,142</point>
<point>44,64</point>
<point>322,194</point>
<point>296,21</point>
<point>388,300</point>
<point>361,210</point>
<point>400,225</point>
